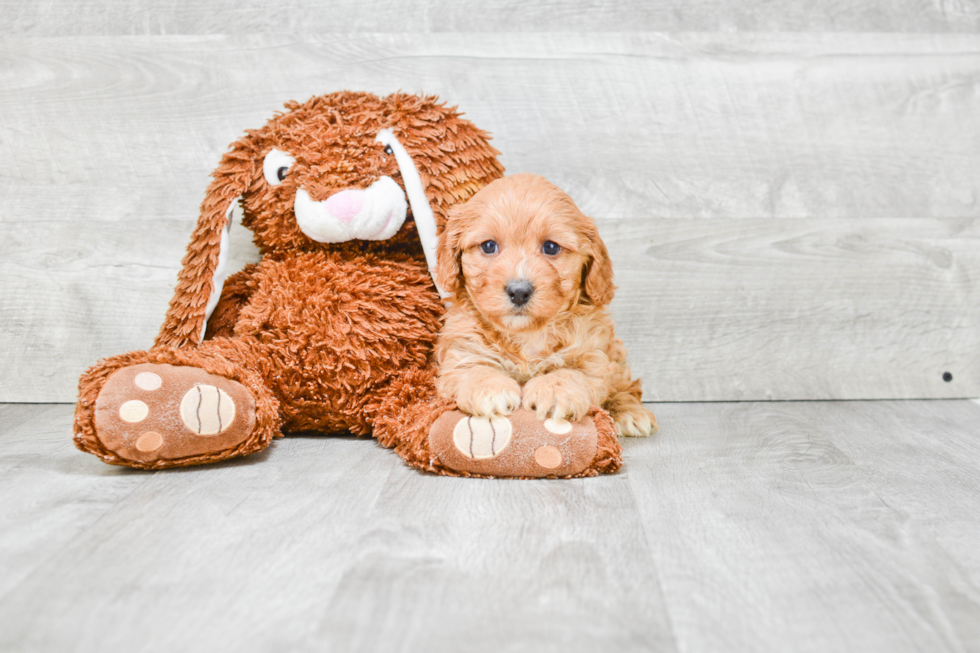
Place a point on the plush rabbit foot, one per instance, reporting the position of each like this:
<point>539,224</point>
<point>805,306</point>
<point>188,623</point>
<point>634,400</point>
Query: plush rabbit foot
<point>431,434</point>
<point>151,413</point>
<point>518,445</point>
<point>167,407</point>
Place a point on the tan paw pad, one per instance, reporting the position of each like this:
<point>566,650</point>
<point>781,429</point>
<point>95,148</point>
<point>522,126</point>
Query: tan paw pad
<point>558,426</point>
<point>480,438</point>
<point>133,411</point>
<point>548,456</point>
<point>207,410</point>
<point>149,441</point>
<point>148,381</point>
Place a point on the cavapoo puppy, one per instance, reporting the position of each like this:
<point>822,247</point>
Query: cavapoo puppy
<point>531,280</point>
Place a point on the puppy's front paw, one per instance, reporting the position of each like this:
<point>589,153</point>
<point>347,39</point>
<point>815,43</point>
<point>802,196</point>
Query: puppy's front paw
<point>490,395</point>
<point>551,395</point>
<point>636,421</point>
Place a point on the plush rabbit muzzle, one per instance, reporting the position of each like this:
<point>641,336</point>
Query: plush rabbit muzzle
<point>376,213</point>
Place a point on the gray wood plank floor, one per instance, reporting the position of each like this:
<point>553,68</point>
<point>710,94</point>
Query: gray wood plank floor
<point>844,526</point>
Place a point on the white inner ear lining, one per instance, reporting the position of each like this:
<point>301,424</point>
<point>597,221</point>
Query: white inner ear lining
<point>221,270</point>
<point>425,222</point>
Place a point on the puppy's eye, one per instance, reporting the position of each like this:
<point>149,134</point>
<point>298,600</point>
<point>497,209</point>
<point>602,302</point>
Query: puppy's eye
<point>276,166</point>
<point>488,247</point>
<point>388,150</point>
<point>550,247</point>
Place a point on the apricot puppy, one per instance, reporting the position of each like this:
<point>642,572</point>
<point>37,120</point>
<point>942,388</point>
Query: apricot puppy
<point>530,280</point>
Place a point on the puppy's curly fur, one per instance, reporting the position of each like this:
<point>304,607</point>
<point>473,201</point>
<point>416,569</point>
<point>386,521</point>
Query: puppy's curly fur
<point>531,279</point>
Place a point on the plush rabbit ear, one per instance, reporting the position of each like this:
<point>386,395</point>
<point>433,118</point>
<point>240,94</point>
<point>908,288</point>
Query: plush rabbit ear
<point>204,267</point>
<point>454,145</point>
<point>425,221</point>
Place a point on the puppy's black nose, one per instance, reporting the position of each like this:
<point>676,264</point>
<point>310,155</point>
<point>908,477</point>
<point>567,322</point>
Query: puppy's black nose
<point>519,292</point>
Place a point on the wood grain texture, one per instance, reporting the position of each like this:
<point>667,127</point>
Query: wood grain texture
<point>676,126</point>
<point>755,526</point>
<point>798,309</point>
<point>815,526</point>
<point>106,145</point>
<point>76,292</point>
<point>318,544</point>
<point>306,17</point>
<point>709,309</point>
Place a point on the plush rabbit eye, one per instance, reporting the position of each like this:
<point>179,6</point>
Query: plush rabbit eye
<point>276,166</point>
<point>388,150</point>
<point>550,247</point>
<point>488,247</point>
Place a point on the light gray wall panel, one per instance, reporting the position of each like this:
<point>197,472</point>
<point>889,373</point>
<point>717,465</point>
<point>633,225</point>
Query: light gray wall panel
<point>672,126</point>
<point>850,159</point>
<point>710,309</point>
<point>799,309</point>
<point>309,17</point>
<point>74,292</point>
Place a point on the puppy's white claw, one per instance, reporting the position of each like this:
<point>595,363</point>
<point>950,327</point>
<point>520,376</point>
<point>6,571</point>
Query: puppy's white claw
<point>504,403</point>
<point>636,423</point>
<point>548,397</point>
<point>495,396</point>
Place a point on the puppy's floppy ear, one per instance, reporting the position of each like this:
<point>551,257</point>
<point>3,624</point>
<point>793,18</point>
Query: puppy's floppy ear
<point>449,269</point>
<point>597,276</point>
<point>199,281</point>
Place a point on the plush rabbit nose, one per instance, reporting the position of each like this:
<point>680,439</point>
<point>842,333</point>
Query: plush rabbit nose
<point>345,205</point>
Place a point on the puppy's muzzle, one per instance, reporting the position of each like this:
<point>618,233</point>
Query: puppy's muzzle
<point>519,292</point>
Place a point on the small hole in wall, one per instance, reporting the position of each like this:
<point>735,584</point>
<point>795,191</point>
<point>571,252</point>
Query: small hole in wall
<point>947,377</point>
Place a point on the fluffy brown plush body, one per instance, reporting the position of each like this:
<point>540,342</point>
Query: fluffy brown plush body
<point>529,327</point>
<point>320,333</point>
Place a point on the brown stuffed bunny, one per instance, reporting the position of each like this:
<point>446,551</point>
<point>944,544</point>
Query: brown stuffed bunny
<point>333,330</point>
